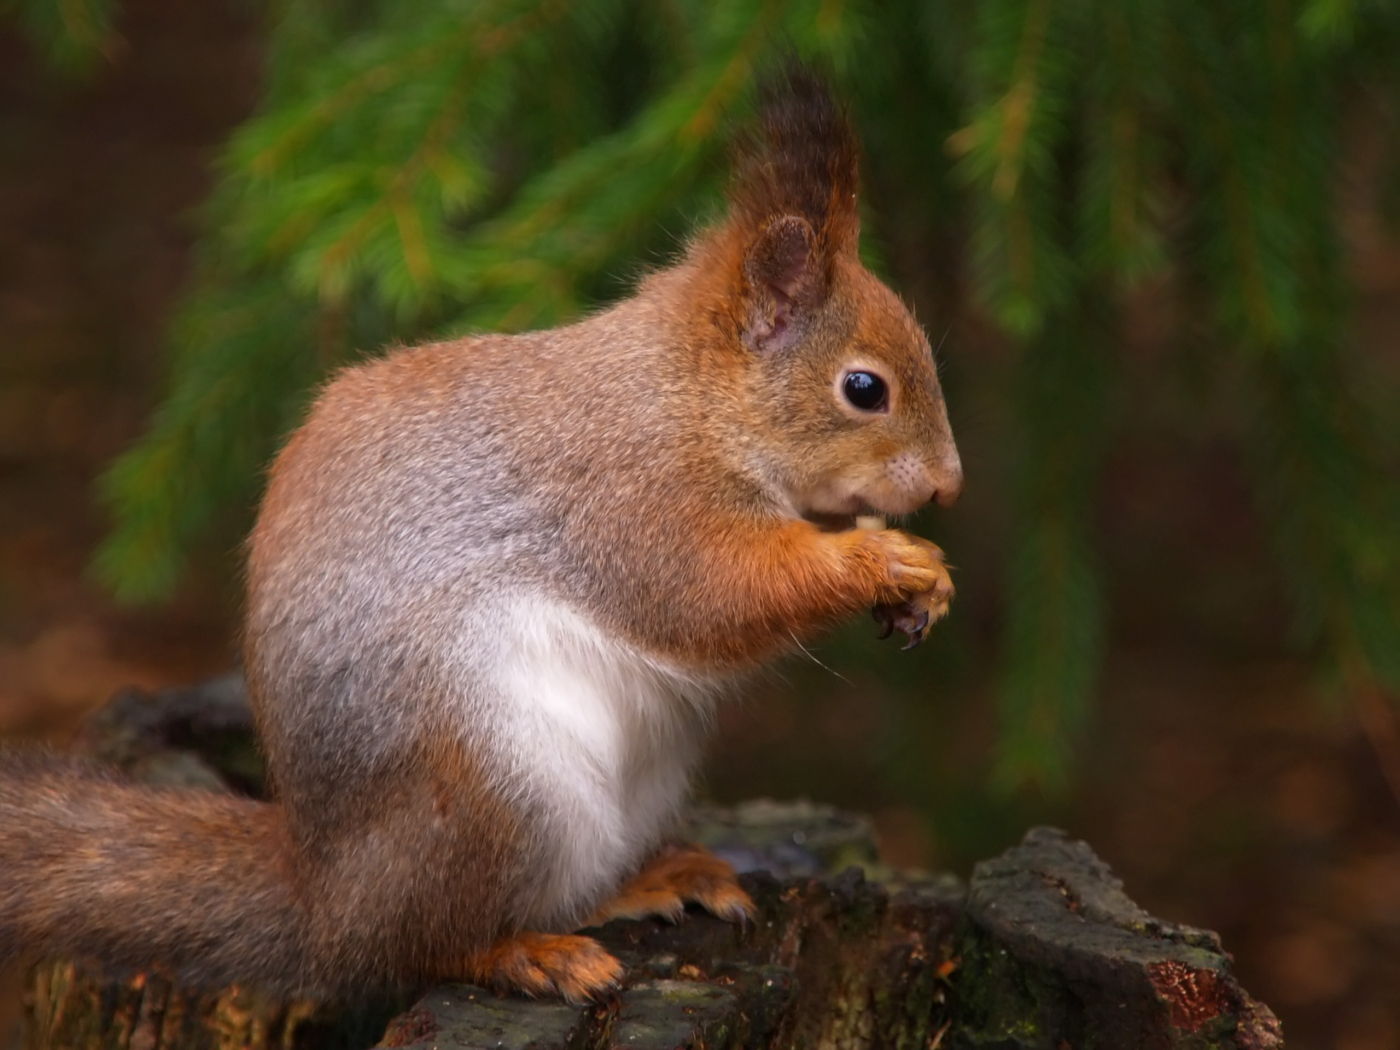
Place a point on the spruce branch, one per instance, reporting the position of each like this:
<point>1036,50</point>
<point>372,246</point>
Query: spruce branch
<point>71,34</point>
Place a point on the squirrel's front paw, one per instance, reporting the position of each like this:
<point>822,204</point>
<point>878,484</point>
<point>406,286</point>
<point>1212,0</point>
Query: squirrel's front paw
<point>923,587</point>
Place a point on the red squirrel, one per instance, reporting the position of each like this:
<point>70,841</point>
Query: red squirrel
<point>494,590</point>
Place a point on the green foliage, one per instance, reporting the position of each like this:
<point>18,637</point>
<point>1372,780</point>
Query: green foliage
<point>1054,622</point>
<point>456,165</point>
<point>72,34</point>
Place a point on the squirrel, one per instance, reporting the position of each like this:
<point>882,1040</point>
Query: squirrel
<point>494,590</point>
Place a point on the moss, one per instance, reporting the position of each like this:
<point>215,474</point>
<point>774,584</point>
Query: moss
<point>997,1002</point>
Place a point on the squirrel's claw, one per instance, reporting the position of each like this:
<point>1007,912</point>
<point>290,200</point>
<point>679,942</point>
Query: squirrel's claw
<point>911,618</point>
<point>884,616</point>
<point>917,630</point>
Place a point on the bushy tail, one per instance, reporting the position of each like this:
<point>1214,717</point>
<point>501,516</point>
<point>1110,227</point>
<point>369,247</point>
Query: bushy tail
<point>196,883</point>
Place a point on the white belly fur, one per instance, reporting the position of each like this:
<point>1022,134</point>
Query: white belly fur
<point>604,742</point>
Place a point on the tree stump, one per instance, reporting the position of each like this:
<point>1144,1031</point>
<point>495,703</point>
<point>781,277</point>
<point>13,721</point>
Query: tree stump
<point>1041,950</point>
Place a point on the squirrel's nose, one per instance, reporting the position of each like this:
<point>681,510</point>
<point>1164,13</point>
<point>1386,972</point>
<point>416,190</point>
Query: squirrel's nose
<point>947,484</point>
<point>921,481</point>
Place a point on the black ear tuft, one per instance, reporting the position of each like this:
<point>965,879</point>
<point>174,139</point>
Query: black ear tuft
<point>801,160</point>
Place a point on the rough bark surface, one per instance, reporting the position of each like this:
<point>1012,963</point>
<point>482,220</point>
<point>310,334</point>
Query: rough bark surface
<point>1053,953</point>
<point>1042,950</point>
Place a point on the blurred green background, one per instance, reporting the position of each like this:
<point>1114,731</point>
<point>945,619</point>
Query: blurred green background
<point>1155,243</point>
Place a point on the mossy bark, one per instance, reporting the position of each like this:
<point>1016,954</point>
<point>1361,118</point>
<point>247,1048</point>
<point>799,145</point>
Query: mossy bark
<point>1041,951</point>
<point>1053,954</point>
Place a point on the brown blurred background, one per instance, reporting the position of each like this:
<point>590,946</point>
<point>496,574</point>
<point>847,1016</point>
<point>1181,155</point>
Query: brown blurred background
<point>1214,781</point>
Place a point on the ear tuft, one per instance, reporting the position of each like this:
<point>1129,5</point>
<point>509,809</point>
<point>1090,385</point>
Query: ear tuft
<point>785,279</point>
<point>800,160</point>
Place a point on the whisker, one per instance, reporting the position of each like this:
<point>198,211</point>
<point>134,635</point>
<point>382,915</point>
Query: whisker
<point>939,348</point>
<point>813,657</point>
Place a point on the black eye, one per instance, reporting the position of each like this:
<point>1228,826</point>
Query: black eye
<point>866,391</point>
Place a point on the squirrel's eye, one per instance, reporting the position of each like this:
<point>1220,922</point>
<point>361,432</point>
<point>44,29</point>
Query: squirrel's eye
<point>866,391</point>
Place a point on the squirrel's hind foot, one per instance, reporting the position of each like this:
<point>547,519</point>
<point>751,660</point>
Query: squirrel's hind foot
<point>540,964</point>
<point>673,878</point>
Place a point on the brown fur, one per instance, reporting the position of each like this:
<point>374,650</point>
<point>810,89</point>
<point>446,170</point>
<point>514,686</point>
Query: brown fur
<point>90,865</point>
<point>657,469</point>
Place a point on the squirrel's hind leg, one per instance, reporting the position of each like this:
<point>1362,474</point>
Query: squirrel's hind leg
<point>677,876</point>
<point>577,968</point>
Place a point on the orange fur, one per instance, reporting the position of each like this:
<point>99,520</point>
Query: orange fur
<point>675,877</point>
<point>577,968</point>
<point>762,587</point>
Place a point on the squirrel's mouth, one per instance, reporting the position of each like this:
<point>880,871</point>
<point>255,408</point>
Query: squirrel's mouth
<point>867,519</point>
<point>838,507</point>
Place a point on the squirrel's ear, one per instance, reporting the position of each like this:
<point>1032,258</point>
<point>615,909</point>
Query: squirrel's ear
<point>784,279</point>
<point>792,205</point>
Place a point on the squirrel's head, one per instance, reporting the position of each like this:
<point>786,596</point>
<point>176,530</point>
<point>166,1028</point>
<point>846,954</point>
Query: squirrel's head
<point>841,401</point>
